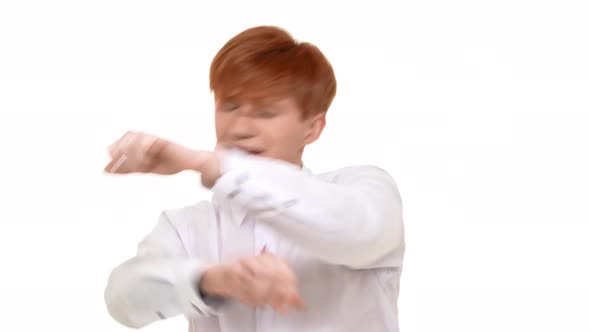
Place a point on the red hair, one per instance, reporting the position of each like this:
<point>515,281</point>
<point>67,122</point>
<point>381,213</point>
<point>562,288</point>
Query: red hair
<point>267,63</point>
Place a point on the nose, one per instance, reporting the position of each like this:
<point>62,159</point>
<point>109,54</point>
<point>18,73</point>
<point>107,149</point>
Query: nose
<point>241,127</point>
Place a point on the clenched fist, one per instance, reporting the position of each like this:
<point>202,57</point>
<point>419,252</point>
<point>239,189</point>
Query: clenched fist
<point>257,280</point>
<point>138,152</point>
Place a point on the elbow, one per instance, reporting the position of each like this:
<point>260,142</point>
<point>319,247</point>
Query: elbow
<point>120,315</point>
<point>380,229</point>
<point>372,249</point>
<point>119,310</point>
<point>376,236</point>
<point>370,226</point>
<point>118,304</point>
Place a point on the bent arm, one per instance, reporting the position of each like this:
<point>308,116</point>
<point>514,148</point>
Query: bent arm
<point>354,221</point>
<point>159,282</point>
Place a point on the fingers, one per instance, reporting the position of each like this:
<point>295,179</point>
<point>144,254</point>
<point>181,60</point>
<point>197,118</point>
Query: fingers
<point>287,301</point>
<point>118,154</point>
<point>267,280</point>
<point>116,148</point>
<point>115,164</point>
<point>279,264</point>
<point>257,280</point>
<point>133,152</point>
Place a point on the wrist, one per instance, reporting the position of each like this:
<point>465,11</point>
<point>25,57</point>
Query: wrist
<point>210,168</point>
<point>212,282</point>
<point>196,160</point>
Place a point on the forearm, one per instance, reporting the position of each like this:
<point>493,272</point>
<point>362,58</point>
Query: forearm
<point>354,222</point>
<point>143,290</point>
<point>207,163</point>
<point>214,283</point>
<point>351,227</point>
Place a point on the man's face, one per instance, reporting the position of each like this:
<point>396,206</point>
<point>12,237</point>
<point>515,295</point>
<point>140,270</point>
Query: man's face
<point>270,129</point>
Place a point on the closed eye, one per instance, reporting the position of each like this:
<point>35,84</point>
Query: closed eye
<point>229,107</point>
<point>266,114</point>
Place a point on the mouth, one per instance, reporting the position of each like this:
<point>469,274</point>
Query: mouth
<point>254,152</point>
<point>251,151</point>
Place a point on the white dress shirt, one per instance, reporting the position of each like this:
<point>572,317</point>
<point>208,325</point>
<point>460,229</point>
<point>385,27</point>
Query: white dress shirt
<point>341,232</point>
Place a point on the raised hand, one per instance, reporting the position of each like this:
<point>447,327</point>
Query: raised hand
<point>138,152</point>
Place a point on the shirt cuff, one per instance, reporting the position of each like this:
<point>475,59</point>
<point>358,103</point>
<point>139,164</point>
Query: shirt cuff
<point>187,290</point>
<point>232,174</point>
<point>262,186</point>
<point>238,168</point>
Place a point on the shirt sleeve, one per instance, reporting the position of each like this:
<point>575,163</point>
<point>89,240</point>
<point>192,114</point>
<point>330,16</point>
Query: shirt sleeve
<point>161,281</point>
<point>354,220</point>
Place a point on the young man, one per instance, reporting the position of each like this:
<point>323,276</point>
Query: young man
<point>278,248</point>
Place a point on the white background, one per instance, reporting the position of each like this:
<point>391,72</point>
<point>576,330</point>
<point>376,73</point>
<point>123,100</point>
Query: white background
<point>477,108</point>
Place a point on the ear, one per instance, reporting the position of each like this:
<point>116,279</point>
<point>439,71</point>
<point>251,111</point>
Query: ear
<point>315,127</point>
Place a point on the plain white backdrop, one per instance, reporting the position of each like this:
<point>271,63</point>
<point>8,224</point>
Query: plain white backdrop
<point>479,109</point>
